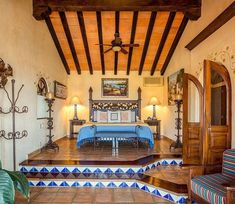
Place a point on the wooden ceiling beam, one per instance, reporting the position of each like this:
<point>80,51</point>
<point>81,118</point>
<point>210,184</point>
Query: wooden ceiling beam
<point>147,40</point>
<point>174,44</point>
<point>132,41</point>
<point>84,38</point>
<point>191,8</point>
<point>219,21</point>
<point>57,43</point>
<point>117,19</point>
<point>70,40</point>
<point>100,35</point>
<point>163,41</point>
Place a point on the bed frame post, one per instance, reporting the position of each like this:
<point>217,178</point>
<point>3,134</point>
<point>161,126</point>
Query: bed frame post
<point>139,102</point>
<point>90,102</point>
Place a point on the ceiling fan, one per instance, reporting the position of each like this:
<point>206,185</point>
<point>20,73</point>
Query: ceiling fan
<point>116,44</point>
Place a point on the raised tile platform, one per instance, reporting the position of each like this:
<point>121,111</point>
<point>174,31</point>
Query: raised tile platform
<point>44,170</point>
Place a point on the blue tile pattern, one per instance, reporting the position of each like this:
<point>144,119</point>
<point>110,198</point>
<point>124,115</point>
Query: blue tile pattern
<point>107,183</point>
<point>176,198</point>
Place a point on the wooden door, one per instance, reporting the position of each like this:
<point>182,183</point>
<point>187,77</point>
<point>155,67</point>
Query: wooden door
<point>217,112</point>
<point>192,129</point>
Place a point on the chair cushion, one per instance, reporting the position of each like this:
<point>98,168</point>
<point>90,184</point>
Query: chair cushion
<point>229,163</point>
<point>210,188</point>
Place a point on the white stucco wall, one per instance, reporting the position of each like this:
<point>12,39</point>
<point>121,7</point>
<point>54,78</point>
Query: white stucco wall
<point>192,62</point>
<point>28,47</point>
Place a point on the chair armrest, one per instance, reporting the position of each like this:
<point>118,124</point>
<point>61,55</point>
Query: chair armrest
<point>195,171</point>
<point>229,186</point>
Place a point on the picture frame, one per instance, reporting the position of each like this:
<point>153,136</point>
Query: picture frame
<point>175,86</point>
<point>60,90</point>
<point>114,87</point>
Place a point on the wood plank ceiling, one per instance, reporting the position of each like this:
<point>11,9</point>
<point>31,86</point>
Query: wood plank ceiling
<point>76,33</point>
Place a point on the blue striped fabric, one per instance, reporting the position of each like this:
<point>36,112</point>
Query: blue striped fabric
<point>209,187</point>
<point>229,163</point>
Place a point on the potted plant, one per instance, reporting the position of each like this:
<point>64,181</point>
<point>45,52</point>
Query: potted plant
<point>11,181</point>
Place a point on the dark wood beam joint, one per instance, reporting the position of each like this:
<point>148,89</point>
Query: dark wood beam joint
<point>219,21</point>
<point>193,13</point>
<point>41,12</point>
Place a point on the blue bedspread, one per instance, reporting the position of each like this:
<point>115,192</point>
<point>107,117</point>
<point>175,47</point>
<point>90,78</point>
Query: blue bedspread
<point>88,132</point>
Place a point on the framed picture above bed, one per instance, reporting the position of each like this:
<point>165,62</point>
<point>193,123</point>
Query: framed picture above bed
<point>114,87</point>
<point>60,90</point>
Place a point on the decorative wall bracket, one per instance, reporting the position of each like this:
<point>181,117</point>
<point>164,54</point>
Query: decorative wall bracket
<point>5,71</point>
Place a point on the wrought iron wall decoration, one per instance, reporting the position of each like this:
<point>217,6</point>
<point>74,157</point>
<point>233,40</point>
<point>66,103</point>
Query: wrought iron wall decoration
<point>42,88</point>
<point>5,71</point>
<point>178,125</point>
<point>50,144</point>
<point>13,110</point>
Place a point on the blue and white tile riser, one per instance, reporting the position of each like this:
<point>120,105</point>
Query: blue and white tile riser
<point>99,169</point>
<point>173,197</point>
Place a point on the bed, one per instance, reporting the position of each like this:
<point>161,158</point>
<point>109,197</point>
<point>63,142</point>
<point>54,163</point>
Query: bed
<point>116,121</point>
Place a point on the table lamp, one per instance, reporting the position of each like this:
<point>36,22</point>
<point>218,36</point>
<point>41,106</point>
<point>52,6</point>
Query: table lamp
<point>154,102</point>
<point>75,101</point>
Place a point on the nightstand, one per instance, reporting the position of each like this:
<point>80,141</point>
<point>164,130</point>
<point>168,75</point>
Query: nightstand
<point>156,123</point>
<point>75,123</point>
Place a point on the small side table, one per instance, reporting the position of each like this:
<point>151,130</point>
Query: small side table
<point>156,123</point>
<point>75,123</point>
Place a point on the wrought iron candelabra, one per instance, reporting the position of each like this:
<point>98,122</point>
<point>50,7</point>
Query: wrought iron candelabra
<point>13,110</point>
<point>50,144</point>
<point>178,123</point>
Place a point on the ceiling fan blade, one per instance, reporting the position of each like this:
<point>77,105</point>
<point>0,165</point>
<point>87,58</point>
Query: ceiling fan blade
<point>104,44</point>
<point>130,45</point>
<point>108,50</point>
<point>123,51</point>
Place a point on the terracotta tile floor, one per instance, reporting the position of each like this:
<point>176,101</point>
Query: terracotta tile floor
<point>69,151</point>
<point>88,195</point>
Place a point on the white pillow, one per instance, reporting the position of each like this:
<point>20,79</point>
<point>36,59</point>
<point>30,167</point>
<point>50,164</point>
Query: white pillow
<point>133,116</point>
<point>94,119</point>
<point>126,116</point>
<point>102,116</point>
<point>114,117</point>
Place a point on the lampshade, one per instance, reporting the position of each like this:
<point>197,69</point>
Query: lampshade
<point>75,101</point>
<point>154,101</point>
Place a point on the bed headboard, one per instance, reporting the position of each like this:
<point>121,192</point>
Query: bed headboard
<point>115,104</point>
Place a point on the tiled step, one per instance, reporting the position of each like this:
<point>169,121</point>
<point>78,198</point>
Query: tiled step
<point>111,183</point>
<point>106,176</point>
<point>66,168</point>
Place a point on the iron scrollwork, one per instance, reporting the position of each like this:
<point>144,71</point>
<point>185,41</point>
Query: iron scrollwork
<point>13,109</point>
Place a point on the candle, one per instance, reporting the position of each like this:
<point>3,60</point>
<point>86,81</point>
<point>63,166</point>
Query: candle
<point>178,97</point>
<point>49,96</point>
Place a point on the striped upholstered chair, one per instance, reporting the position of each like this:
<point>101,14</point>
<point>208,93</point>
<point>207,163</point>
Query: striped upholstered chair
<point>216,188</point>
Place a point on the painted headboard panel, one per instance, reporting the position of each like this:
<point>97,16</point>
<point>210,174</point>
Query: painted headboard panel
<point>115,104</point>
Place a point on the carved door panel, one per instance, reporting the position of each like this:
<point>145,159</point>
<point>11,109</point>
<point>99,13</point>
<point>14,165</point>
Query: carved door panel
<point>192,120</point>
<point>217,99</point>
